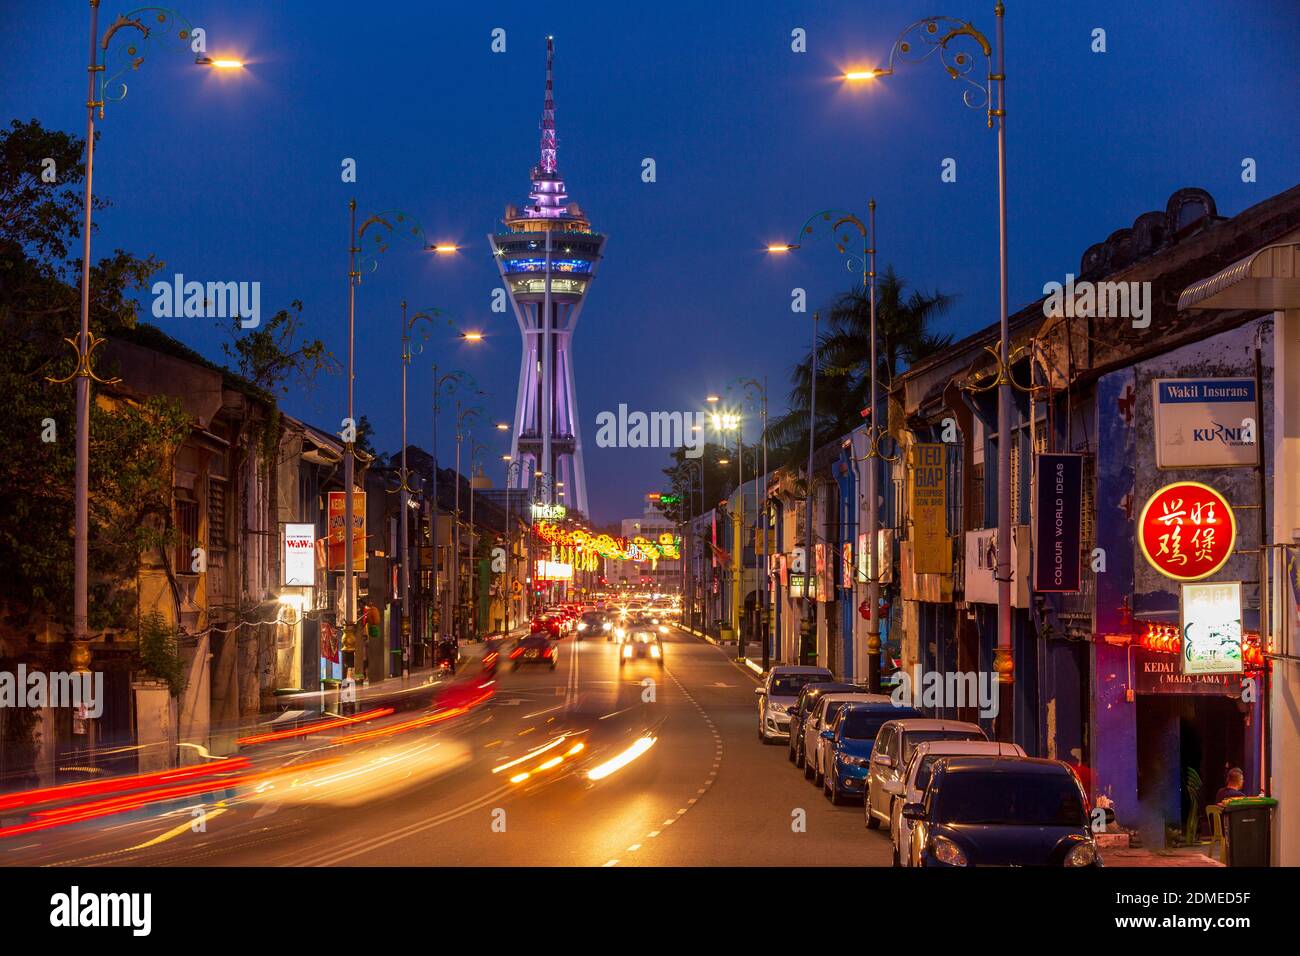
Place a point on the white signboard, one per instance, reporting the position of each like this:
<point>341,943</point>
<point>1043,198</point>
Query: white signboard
<point>299,560</point>
<point>982,561</point>
<point>1212,628</point>
<point>1205,422</point>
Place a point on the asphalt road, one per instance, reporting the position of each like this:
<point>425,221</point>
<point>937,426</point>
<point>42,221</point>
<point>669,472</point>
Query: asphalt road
<point>410,790</point>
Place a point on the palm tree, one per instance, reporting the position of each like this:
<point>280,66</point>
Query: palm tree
<point>903,337</point>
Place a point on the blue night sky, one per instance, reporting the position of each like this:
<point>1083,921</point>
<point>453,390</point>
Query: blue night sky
<point>238,177</point>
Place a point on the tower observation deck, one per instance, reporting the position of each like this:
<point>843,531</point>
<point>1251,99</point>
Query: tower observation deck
<point>547,257</point>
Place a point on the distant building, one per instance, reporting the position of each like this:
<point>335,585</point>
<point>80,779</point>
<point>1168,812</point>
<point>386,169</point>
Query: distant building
<point>661,575</point>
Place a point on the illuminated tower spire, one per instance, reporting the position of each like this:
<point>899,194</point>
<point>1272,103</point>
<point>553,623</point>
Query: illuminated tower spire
<point>548,166</point>
<point>548,194</point>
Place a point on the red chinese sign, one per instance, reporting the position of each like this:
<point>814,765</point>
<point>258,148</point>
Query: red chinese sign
<point>1187,531</point>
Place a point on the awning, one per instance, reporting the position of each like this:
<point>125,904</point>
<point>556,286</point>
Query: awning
<point>1268,280</point>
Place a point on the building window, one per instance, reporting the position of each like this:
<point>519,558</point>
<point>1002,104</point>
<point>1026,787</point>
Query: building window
<point>187,532</point>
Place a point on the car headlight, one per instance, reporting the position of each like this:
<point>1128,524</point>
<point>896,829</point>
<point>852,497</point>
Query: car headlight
<point>947,852</point>
<point>854,761</point>
<point>627,651</point>
<point>1085,854</point>
<point>606,626</point>
<point>654,650</point>
<point>663,628</point>
<point>582,625</point>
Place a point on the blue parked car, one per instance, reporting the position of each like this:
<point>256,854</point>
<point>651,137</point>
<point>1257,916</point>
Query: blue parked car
<point>1001,811</point>
<point>849,740</point>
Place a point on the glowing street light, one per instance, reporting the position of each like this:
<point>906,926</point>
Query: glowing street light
<point>472,336</point>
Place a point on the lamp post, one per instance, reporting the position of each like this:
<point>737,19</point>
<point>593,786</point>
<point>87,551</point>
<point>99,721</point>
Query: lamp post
<point>837,223</point>
<point>388,220</point>
<point>448,382</point>
<point>85,343</point>
<point>761,607</point>
<point>918,42</point>
<point>514,469</point>
<point>474,449</point>
<point>724,422</point>
<point>461,415</point>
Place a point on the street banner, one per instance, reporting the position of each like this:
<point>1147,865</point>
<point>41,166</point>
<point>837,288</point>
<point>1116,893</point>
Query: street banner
<point>1211,616</point>
<point>1205,422</point>
<point>927,472</point>
<point>1058,523</point>
<point>1187,530</point>
<point>847,566</point>
<point>337,538</point>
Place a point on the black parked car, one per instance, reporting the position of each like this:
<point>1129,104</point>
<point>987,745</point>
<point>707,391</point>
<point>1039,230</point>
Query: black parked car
<point>1001,811</point>
<point>803,706</point>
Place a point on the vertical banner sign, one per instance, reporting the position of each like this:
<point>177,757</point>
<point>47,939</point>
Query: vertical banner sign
<point>337,539</point>
<point>847,565</point>
<point>1212,628</point>
<point>299,560</point>
<point>928,470</point>
<point>1058,523</point>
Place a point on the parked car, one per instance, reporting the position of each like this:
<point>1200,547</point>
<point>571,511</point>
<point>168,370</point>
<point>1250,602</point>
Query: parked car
<point>777,694</point>
<point>828,707</point>
<point>805,702</point>
<point>1001,811</point>
<point>846,743</point>
<point>916,777</point>
<point>893,750</point>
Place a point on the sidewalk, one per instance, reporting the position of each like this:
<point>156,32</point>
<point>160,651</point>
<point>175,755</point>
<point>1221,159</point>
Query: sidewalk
<point>1160,858</point>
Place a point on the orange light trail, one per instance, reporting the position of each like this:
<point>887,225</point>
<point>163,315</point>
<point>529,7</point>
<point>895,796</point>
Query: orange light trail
<point>317,727</point>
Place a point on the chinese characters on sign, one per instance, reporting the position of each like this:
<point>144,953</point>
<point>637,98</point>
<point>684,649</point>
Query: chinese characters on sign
<point>1187,531</point>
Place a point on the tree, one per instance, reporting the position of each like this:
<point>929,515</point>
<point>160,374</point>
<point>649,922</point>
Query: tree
<point>132,443</point>
<point>904,336</point>
<point>275,353</point>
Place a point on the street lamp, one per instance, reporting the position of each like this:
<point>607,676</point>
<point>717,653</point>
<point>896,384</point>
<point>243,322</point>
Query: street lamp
<point>865,261</point>
<point>515,469</point>
<point>448,383</point>
<point>724,422</point>
<point>405,488</point>
<point>751,386</point>
<point>85,343</point>
<point>474,449</point>
<point>462,414</point>
<point>918,42</point>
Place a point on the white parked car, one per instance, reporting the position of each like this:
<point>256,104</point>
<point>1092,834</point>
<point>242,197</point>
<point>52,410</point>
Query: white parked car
<point>777,694</point>
<point>814,764</point>
<point>893,749</point>
<point>910,787</point>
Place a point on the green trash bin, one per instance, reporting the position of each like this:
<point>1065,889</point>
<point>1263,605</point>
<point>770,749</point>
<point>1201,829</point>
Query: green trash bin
<point>1248,827</point>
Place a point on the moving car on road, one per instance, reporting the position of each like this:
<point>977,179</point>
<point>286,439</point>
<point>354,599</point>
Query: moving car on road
<point>845,739</point>
<point>916,777</point>
<point>594,623</point>
<point>777,694</point>
<point>893,750</point>
<point>1001,811</point>
<point>534,649</point>
<point>641,644</point>
<point>802,705</point>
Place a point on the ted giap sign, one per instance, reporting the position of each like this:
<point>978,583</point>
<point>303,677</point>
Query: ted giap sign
<point>299,558</point>
<point>1205,422</point>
